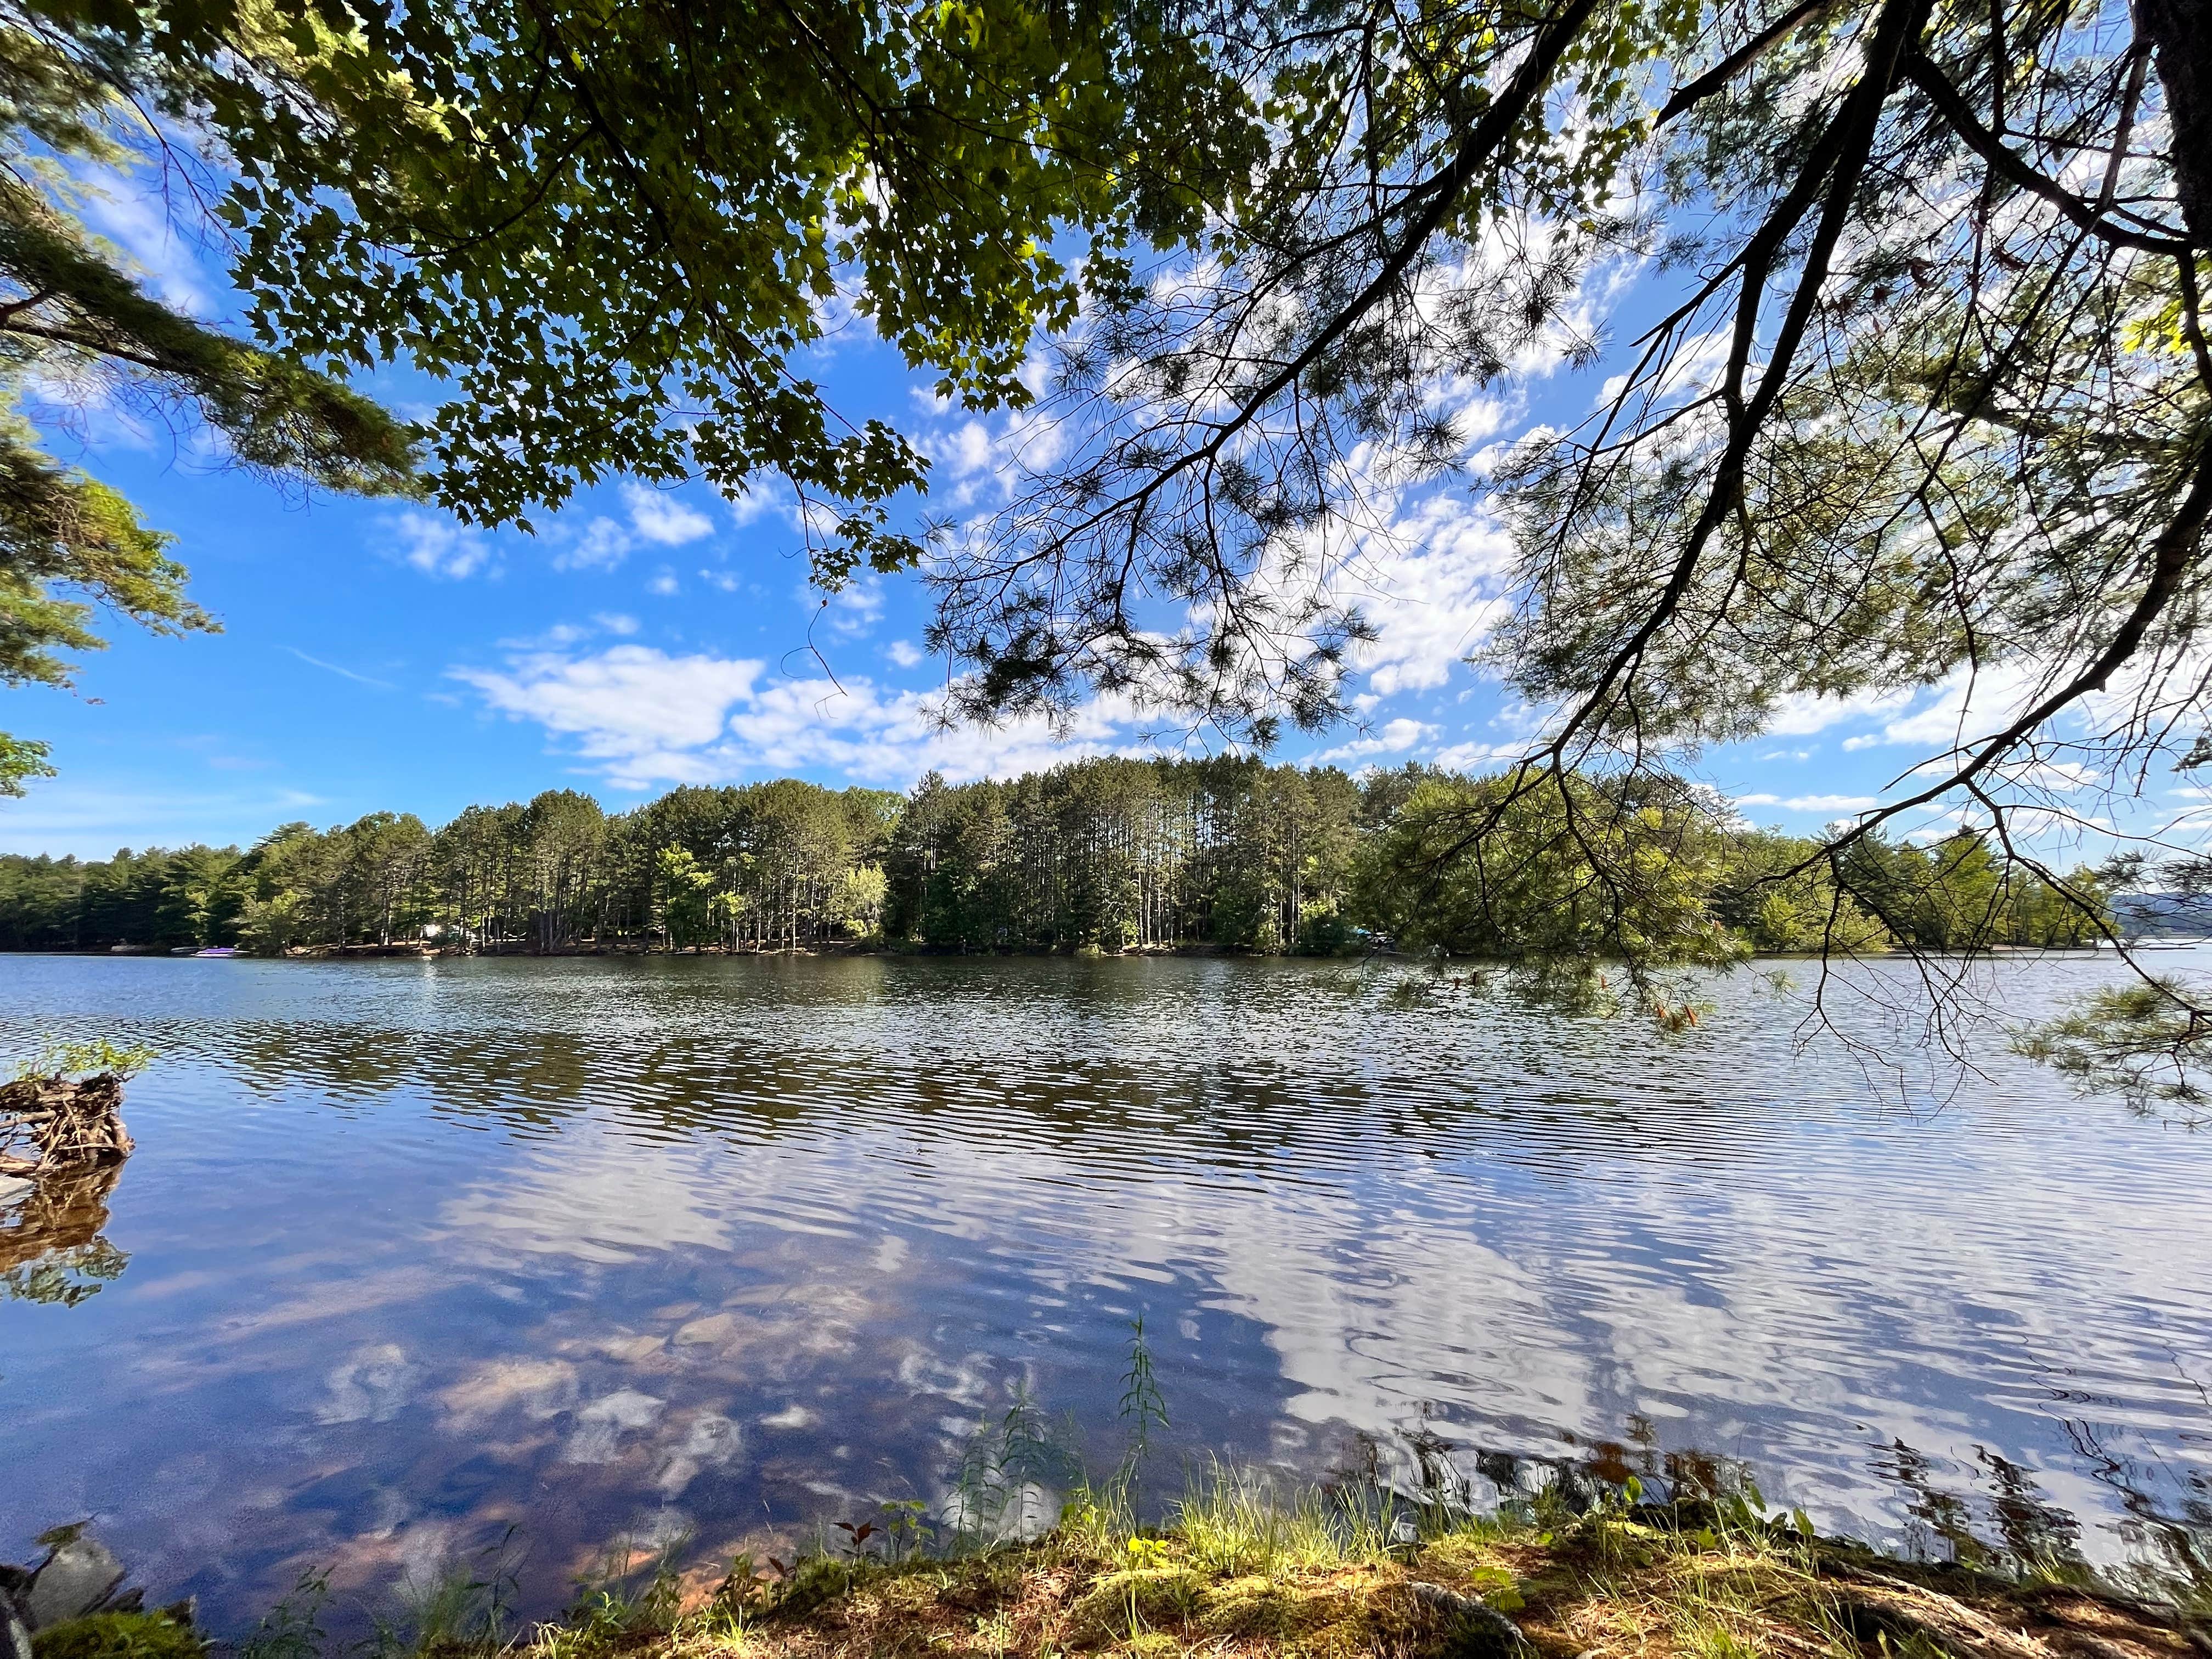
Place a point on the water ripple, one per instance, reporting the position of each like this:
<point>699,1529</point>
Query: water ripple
<point>414,1246</point>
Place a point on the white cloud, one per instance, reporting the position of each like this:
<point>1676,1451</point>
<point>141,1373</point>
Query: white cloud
<point>614,622</point>
<point>442,547</point>
<point>664,582</point>
<point>1801,713</point>
<point>1695,369</point>
<point>968,449</point>
<point>560,635</point>
<point>136,221</point>
<point>852,609</point>
<point>754,505</point>
<point>984,462</point>
<point>602,543</point>
<point>904,652</point>
<point>596,545</point>
<point>643,717</point>
<point>1427,570</point>
<point>343,673</point>
<point>1434,602</point>
<point>2040,829</point>
<point>663,520</point>
<point>1936,825</point>
<point>1478,757</point>
<point>630,706</point>
<point>1522,720</point>
<point>1828,804</point>
<point>2052,827</point>
<point>1961,707</point>
<point>2058,777</point>
<point>1399,737</point>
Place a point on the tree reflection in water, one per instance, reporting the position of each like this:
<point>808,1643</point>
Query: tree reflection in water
<point>51,1246</point>
<point>406,1224</point>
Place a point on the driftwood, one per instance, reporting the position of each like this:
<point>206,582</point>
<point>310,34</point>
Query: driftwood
<point>49,1124</point>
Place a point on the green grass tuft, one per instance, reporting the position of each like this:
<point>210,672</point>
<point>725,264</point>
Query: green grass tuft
<point>119,1636</point>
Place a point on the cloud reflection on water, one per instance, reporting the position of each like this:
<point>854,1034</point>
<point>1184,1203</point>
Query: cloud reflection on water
<point>621,1247</point>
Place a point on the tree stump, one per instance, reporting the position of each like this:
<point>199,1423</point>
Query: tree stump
<point>50,1124</point>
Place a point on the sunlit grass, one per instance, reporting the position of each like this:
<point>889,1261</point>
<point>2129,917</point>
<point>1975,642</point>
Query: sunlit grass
<point>1244,1566</point>
<point>1235,1521</point>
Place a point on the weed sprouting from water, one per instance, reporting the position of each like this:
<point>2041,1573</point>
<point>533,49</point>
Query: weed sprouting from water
<point>1411,991</point>
<point>624,1599</point>
<point>1143,1409</point>
<point>292,1629</point>
<point>466,1604</point>
<point>58,1058</point>
<point>1011,1476</point>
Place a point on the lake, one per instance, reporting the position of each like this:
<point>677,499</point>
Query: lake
<point>411,1252</point>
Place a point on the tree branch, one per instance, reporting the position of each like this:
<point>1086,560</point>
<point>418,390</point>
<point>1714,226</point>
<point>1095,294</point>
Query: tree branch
<point>1923,73</point>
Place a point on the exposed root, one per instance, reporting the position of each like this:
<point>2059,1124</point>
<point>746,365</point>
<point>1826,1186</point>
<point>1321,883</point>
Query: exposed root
<point>49,1124</point>
<point>2045,1621</point>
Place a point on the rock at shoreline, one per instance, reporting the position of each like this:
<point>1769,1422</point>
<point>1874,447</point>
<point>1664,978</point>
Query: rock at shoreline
<point>15,1629</point>
<point>73,1606</point>
<point>1474,1629</point>
<point>80,1576</point>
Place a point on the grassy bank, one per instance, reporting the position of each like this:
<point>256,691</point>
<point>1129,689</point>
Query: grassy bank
<point>1238,1575</point>
<point>1239,1572</point>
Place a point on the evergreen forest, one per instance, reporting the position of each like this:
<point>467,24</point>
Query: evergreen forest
<point>1098,856</point>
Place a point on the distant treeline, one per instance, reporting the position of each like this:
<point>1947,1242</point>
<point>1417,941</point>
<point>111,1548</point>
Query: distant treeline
<point>1099,854</point>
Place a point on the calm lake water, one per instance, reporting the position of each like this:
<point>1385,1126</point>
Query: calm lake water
<point>637,1247</point>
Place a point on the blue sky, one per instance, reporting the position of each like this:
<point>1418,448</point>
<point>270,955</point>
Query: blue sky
<point>381,656</point>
